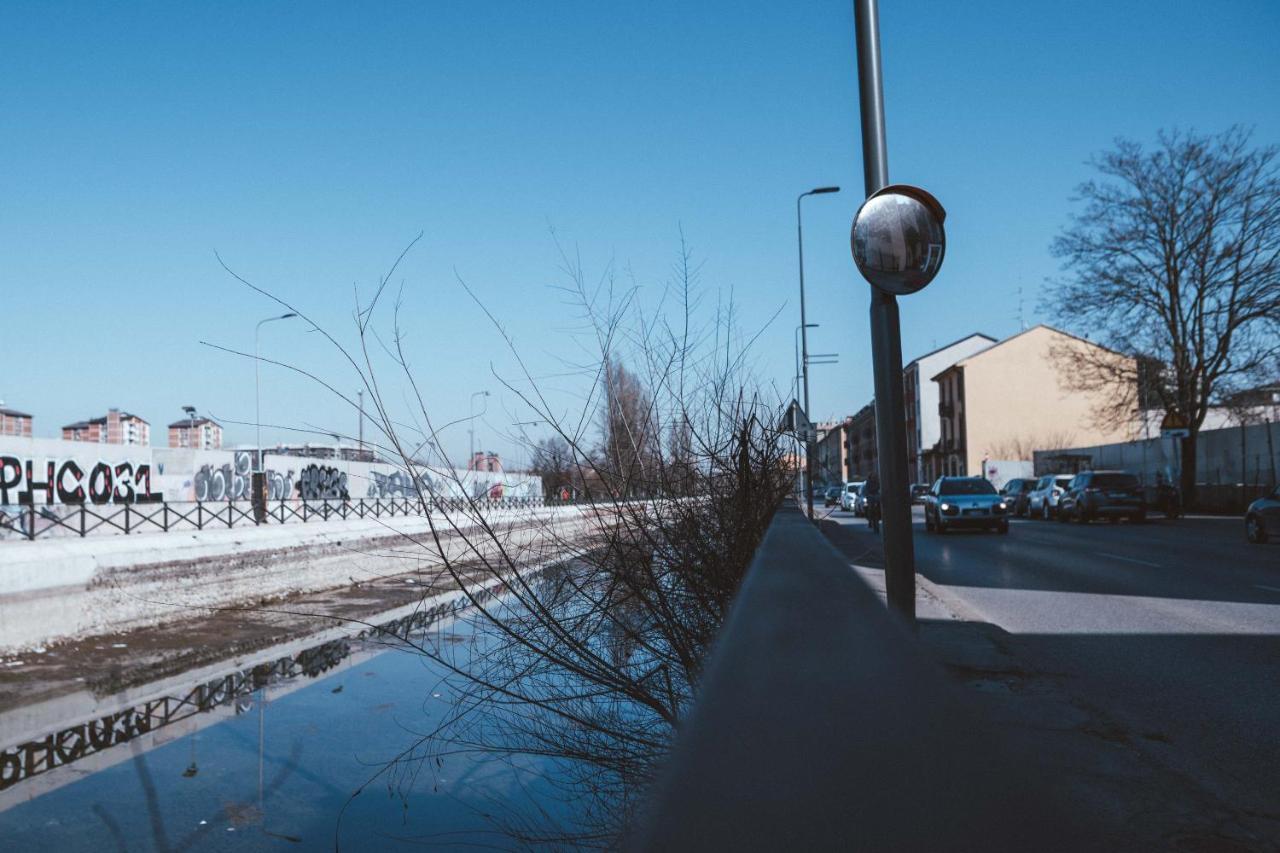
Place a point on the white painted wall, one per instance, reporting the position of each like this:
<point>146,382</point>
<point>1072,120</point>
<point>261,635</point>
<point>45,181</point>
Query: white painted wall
<point>185,474</point>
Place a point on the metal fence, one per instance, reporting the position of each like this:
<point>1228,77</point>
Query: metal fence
<point>50,520</point>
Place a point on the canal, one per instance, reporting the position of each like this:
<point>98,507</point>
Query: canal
<point>312,747</point>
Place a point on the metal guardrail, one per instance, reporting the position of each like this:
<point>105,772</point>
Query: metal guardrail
<point>820,724</point>
<point>47,520</point>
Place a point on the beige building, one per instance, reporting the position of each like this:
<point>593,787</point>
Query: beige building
<point>1010,399</point>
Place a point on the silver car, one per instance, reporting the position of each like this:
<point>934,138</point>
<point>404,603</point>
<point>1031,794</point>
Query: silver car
<point>955,502</point>
<point>1042,501</point>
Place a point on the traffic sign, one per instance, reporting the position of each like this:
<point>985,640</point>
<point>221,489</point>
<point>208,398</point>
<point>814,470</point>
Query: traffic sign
<point>1174,425</point>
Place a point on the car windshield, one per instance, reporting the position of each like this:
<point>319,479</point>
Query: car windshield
<point>1063,481</point>
<point>971,486</point>
<point>1114,481</point>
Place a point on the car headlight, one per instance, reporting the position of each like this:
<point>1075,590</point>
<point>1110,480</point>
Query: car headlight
<point>1002,505</point>
<point>944,507</point>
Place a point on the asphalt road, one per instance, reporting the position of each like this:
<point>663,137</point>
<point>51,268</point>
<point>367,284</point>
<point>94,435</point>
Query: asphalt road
<point>1172,627</point>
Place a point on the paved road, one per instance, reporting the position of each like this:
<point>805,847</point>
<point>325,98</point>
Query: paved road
<point>1172,627</point>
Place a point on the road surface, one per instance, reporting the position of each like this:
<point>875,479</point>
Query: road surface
<point>1171,627</point>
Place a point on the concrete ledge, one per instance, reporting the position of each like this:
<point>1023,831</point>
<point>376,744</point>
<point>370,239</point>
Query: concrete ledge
<point>820,724</point>
<point>60,589</point>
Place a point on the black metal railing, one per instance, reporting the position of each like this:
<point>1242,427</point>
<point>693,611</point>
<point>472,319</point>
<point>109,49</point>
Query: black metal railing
<point>47,520</point>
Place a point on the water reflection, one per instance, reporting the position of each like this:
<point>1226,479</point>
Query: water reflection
<point>271,755</point>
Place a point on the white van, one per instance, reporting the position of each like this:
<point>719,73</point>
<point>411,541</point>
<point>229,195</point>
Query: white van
<point>849,497</point>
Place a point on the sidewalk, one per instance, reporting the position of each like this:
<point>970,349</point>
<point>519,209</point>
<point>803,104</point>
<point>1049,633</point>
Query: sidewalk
<point>1116,778</point>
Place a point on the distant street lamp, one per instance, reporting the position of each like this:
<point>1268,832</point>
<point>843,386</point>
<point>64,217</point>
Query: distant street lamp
<point>804,346</point>
<point>471,423</point>
<point>257,394</point>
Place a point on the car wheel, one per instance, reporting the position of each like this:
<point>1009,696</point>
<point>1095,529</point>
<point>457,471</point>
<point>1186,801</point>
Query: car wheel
<point>1062,514</point>
<point>928,522</point>
<point>1139,518</point>
<point>1003,529</point>
<point>1113,519</point>
<point>1078,515</point>
<point>940,527</point>
<point>1044,511</point>
<point>1255,531</point>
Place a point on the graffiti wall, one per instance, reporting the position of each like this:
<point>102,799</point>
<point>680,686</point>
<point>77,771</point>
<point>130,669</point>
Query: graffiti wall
<point>51,471</point>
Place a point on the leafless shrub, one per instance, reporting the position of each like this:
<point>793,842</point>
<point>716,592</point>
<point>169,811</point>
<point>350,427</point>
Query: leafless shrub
<point>590,655</point>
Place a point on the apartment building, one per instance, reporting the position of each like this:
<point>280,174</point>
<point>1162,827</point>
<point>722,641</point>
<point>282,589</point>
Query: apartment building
<point>1010,398</point>
<point>115,427</point>
<point>197,433</point>
<point>924,424</point>
<point>15,423</point>
<point>833,451</point>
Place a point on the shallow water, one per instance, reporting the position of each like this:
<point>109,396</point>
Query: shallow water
<point>273,764</point>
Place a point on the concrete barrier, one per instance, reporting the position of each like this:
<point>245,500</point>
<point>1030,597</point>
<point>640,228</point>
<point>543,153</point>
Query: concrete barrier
<point>64,589</point>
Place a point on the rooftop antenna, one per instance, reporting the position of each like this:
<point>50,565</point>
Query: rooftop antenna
<point>1022,322</point>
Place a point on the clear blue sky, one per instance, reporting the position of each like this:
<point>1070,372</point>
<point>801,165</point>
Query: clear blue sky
<point>308,143</point>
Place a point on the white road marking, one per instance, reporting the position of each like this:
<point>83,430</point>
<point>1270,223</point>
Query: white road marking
<point>1269,588</point>
<point>1128,559</point>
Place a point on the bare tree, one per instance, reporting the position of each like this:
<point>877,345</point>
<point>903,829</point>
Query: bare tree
<point>1174,259</point>
<point>1023,447</point>
<point>630,435</point>
<point>553,461</point>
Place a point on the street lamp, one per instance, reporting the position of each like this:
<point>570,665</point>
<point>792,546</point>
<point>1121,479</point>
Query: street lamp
<point>804,344</point>
<point>257,394</point>
<point>471,424</point>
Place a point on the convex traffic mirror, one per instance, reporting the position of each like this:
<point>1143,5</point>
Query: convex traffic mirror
<point>898,240</point>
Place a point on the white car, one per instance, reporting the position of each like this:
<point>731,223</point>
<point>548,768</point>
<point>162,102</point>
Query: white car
<point>849,497</point>
<point>1042,501</point>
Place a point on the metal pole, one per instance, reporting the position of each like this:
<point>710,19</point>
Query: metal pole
<point>804,365</point>
<point>886,336</point>
<point>257,394</point>
<point>360,434</point>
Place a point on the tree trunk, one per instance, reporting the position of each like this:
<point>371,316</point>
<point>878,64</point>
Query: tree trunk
<point>1188,462</point>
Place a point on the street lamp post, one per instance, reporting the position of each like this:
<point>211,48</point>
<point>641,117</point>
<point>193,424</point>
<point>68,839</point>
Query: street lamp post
<point>471,427</point>
<point>257,394</point>
<point>804,346</point>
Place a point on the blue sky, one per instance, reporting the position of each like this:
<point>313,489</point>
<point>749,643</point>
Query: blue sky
<point>308,144</point>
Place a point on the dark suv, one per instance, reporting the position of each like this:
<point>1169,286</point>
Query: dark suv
<point>1016,494</point>
<point>1112,495</point>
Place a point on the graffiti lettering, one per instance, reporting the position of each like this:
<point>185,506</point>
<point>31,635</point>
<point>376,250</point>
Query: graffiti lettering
<point>23,481</point>
<point>322,482</point>
<point>397,484</point>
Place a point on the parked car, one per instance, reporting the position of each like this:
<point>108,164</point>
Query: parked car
<point>860,502</point>
<point>965,502</point>
<point>1112,495</point>
<point>1042,501</point>
<point>1015,494</point>
<point>1262,519</point>
<point>850,495</point>
<point>832,496</point>
<point>918,492</point>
